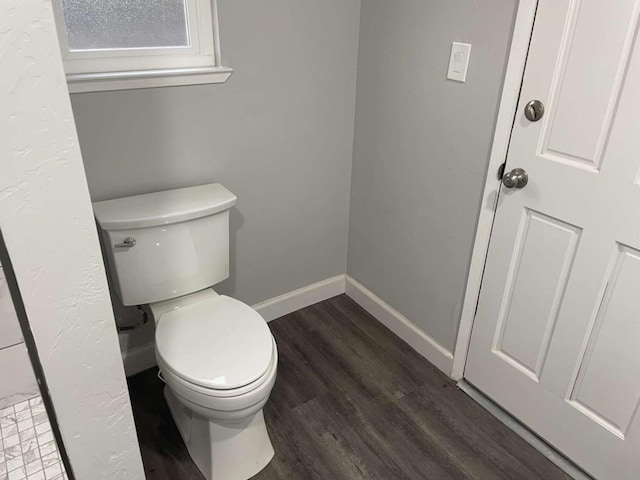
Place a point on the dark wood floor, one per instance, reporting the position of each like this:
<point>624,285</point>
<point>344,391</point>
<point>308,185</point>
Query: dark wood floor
<point>352,401</point>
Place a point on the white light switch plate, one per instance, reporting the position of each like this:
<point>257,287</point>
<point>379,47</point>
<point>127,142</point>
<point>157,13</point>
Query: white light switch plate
<point>459,61</point>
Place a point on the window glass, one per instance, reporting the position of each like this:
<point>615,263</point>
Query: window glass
<point>122,24</point>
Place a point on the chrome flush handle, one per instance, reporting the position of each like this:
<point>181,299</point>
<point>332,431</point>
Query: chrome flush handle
<point>127,243</point>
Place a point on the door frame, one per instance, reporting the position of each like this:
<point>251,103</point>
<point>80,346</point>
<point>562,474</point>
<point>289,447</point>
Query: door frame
<point>516,63</point>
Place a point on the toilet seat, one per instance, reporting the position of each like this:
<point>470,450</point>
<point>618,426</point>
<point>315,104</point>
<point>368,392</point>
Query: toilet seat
<point>218,344</point>
<point>223,405</point>
<point>169,376</point>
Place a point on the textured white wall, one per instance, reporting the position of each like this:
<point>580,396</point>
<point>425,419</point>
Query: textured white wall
<point>46,218</point>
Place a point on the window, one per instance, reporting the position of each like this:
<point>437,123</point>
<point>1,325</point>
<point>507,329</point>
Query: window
<point>121,44</point>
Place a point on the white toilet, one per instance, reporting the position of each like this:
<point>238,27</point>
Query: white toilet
<point>217,356</point>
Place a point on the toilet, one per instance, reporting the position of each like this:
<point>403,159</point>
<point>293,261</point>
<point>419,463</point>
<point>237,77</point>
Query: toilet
<point>165,251</point>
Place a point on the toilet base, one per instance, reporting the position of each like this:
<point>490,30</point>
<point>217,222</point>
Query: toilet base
<point>223,451</point>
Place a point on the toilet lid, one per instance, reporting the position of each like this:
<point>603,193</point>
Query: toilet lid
<point>219,343</point>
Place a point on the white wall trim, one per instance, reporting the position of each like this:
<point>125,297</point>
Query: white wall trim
<point>132,79</point>
<point>142,357</point>
<point>525,18</point>
<point>303,297</point>
<point>400,325</point>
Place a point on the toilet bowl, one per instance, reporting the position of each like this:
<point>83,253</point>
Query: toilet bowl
<point>219,362</point>
<point>165,251</point>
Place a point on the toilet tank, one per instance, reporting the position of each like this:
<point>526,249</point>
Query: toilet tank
<point>166,244</point>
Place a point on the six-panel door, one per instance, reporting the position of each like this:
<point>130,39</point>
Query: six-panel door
<point>556,340</point>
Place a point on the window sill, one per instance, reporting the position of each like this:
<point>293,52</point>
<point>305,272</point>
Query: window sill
<point>99,82</point>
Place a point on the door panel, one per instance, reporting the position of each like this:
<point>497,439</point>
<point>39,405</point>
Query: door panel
<point>594,101</point>
<point>543,257</point>
<point>556,339</point>
<point>607,386</point>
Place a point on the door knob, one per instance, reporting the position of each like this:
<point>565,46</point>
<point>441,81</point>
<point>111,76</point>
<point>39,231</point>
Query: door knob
<point>516,178</point>
<point>534,110</point>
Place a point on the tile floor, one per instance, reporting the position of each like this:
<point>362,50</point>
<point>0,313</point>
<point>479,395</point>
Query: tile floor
<point>28,450</point>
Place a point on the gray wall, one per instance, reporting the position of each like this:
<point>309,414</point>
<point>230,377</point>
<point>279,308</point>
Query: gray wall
<point>421,149</point>
<point>17,381</point>
<point>278,134</point>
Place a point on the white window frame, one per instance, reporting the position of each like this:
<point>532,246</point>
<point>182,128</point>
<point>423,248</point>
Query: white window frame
<point>120,69</point>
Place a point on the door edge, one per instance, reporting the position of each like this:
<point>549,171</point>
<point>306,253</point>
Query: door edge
<point>516,63</point>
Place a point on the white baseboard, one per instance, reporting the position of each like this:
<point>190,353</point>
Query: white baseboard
<point>400,325</point>
<point>139,359</point>
<point>303,297</point>
<point>143,357</point>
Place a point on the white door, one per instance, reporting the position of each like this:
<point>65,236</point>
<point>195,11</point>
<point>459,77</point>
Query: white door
<point>556,339</point>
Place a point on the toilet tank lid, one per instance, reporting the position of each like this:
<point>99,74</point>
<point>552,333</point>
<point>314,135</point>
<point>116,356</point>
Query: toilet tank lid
<point>163,208</point>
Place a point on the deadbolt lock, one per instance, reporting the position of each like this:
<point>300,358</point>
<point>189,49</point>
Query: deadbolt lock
<point>534,110</point>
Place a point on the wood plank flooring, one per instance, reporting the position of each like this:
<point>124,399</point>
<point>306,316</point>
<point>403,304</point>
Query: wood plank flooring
<point>352,401</point>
